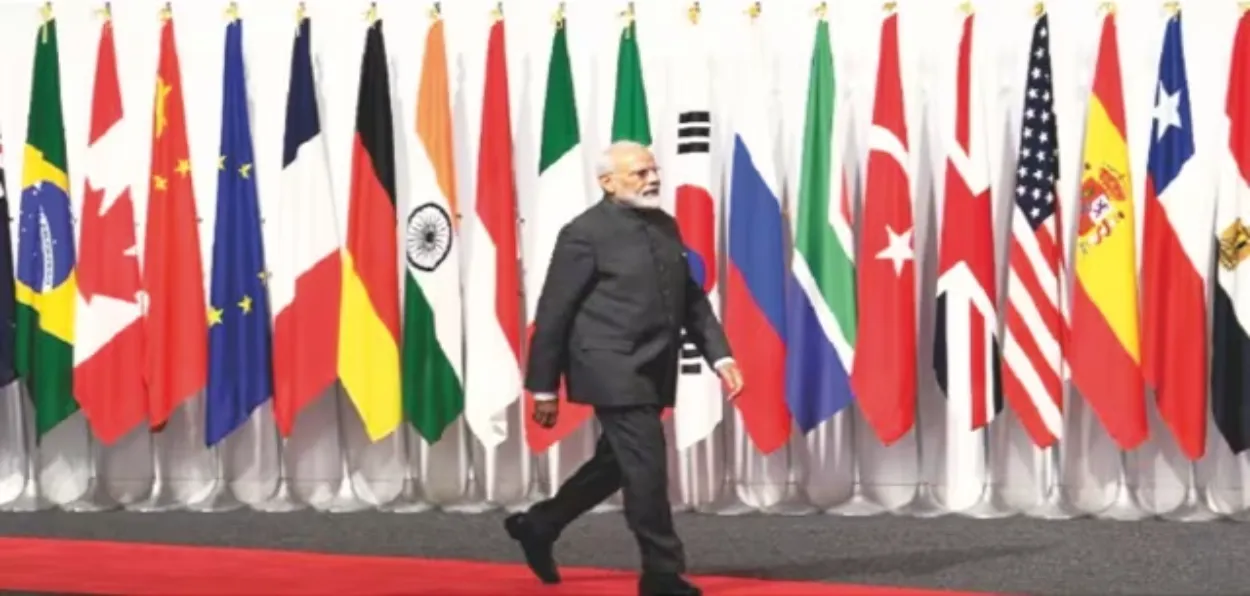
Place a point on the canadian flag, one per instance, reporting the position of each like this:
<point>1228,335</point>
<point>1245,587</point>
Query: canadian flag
<point>108,329</point>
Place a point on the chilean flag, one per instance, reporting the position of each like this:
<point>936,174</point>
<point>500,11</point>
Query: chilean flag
<point>755,285</point>
<point>1177,246</point>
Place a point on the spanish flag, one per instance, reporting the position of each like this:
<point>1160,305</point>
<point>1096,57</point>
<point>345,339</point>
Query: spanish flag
<point>1103,349</point>
<point>46,287</point>
<point>369,320</point>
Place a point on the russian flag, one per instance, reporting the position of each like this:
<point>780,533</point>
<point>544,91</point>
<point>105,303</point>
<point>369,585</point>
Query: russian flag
<point>756,277</point>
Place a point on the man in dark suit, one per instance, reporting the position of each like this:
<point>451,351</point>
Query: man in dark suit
<point>610,318</point>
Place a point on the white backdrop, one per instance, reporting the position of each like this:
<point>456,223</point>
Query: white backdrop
<point>724,474</point>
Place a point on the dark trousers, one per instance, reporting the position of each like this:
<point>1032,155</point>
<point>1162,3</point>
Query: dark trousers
<point>629,456</point>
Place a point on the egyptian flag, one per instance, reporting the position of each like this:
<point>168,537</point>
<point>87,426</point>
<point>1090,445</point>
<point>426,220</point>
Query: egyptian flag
<point>1230,342</point>
<point>368,357</point>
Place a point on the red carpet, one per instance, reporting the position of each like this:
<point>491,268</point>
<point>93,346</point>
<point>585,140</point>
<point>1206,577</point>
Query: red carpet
<point>93,567</point>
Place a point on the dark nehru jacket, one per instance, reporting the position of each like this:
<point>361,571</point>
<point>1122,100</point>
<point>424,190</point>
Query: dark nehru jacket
<point>612,310</point>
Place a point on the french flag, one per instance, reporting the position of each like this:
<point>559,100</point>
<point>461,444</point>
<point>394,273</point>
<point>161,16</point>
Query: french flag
<point>756,272</point>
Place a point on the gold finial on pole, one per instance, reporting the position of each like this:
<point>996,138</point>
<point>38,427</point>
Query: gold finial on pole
<point>1039,9</point>
<point>1107,8</point>
<point>45,14</point>
<point>693,13</point>
<point>371,15</point>
<point>436,11</point>
<point>232,12</point>
<point>1244,7</point>
<point>1172,8</point>
<point>822,11</point>
<point>301,12</point>
<point>754,10</point>
<point>496,13</point>
<point>890,7</point>
<point>167,12</point>
<point>967,8</point>
<point>557,18</point>
<point>105,12</point>
<point>628,13</point>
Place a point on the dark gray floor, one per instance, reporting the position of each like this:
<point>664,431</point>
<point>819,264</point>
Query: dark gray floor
<point>1020,556</point>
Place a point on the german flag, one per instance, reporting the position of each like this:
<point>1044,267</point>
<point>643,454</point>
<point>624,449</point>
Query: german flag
<point>369,320</point>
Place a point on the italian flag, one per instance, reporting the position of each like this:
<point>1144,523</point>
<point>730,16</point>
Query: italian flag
<point>561,196</point>
<point>433,342</point>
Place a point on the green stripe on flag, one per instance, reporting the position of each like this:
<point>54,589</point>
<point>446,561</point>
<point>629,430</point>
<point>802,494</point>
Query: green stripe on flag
<point>815,240</point>
<point>630,121</point>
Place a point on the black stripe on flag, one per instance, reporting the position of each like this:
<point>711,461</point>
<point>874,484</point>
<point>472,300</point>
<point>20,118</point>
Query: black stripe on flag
<point>1230,373</point>
<point>694,132</point>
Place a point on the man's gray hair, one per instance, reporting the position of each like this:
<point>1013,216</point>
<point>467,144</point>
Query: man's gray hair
<point>606,162</point>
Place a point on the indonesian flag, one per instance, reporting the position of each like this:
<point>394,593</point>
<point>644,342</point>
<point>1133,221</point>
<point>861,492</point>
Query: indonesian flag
<point>1177,244</point>
<point>493,287</point>
<point>965,350</point>
<point>1105,348</point>
<point>108,347</point>
<point>306,291</point>
<point>884,373</point>
<point>561,196</point>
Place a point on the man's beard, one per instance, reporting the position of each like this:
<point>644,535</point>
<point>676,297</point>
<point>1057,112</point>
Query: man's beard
<point>647,199</point>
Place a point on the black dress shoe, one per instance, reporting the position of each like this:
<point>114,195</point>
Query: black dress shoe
<point>666,584</point>
<point>536,548</point>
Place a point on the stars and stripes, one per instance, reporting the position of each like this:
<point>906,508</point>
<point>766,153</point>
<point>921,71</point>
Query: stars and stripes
<point>1032,369</point>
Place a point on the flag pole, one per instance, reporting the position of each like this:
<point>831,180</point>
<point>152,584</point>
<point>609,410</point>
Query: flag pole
<point>29,499</point>
<point>283,499</point>
<point>95,497</point>
<point>159,497</point>
<point>1197,505</point>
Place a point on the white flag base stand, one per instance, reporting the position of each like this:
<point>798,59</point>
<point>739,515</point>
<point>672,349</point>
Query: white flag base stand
<point>472,501</point>
<point>991,505</point>
<point>411,498</point>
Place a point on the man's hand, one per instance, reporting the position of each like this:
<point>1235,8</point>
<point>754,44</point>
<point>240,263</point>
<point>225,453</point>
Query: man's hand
<point>546,412</point>
<point>731,377</point>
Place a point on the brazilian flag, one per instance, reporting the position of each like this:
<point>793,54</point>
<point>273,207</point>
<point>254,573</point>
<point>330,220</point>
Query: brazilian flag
<point>44,354</point>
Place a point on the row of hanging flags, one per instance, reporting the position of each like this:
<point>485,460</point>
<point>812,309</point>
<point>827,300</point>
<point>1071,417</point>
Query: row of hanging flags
<point>814,327</point>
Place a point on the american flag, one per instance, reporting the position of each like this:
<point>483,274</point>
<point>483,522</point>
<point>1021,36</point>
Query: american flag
<point>1033,348</point>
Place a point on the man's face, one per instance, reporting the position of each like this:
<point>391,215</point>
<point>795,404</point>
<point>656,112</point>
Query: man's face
<point>636,179</point>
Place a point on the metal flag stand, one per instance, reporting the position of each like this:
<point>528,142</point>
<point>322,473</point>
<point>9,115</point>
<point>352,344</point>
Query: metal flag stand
<point>345,499</point>
<point>991,505</point>
<point>283,499</point>
<point>1054,505</point>
<point>159,498</point>
<point>1125,506</point>
<point>1197,506</point>
<point>925,504</point>
<point>221,498</point>
<point>471,498</point>
<point>95,498</point>
<point>795,502</point>
<point>858,505</point>
<point>30,499</point>
<point>734,440</point>
<point>411,498</point>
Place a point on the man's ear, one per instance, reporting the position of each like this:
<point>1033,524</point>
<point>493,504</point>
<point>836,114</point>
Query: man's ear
<point>607,184</point>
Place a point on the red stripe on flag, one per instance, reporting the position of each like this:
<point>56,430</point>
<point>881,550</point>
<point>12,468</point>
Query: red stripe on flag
<point>306,340</point>
<point>1174,344</point>
<point>761,356</point>
<point>1106,367</point>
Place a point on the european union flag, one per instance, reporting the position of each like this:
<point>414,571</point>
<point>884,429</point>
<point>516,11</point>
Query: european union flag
<point>240,374</point>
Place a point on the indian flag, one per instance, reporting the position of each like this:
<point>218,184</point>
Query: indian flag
<point>433,340</point>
